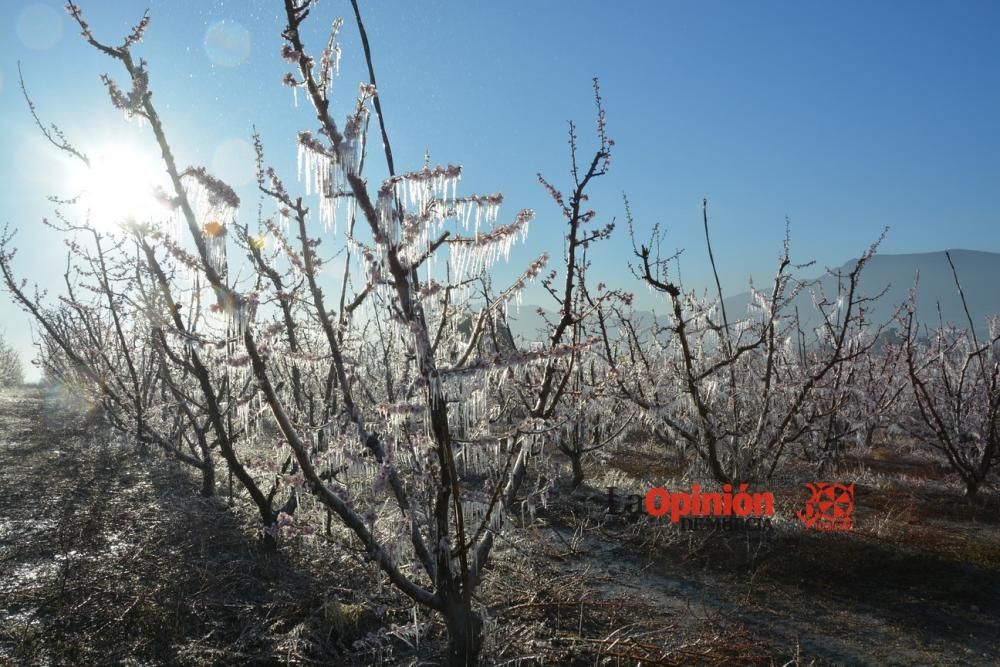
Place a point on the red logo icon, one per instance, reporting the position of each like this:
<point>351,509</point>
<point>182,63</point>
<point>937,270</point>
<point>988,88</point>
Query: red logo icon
<point>830,507</point>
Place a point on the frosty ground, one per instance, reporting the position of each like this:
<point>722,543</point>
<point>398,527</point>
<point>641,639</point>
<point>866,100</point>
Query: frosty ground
<point>108,556</point>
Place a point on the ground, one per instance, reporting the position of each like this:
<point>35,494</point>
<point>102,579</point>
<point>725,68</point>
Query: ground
<point>109,556</point>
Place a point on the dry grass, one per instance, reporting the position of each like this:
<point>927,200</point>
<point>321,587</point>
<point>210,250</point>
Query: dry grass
<point>110,558</point>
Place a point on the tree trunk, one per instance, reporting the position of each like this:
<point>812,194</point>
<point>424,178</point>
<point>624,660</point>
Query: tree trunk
<point>465,635</point>
<point>577,460</point>
<point>208,478</point>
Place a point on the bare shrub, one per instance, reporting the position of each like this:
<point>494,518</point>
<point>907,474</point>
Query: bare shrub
<point>11,370</point>
<point>740,394</point>
<point>955,380</point>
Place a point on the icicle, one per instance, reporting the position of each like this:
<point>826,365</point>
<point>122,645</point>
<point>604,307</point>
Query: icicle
<point>385,213</point>
<point>301,158</point>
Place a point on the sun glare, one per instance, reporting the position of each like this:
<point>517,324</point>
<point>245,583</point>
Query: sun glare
<point>119,187</point>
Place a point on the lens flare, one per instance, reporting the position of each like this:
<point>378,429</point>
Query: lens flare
<point>227,43</point>
<point>119,187</point>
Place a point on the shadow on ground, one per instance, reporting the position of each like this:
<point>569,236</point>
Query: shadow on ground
<point>106,558</point>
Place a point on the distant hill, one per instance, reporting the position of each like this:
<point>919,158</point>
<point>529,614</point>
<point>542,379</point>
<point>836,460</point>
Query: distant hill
<point>978,271</point>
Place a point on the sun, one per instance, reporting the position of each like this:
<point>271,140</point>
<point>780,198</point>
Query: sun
<point>119,186</point>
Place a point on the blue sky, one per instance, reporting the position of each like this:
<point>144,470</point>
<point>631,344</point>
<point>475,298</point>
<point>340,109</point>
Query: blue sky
<point>845,117</point>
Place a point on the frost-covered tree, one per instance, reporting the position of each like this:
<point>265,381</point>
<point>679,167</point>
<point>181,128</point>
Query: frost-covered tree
<point>11,370</point>
<point>100,348</point>
<point>955,381</point>
<point>741,393</point>
<point>379,396</point>
<point>573,391</point>
<point>862,400</point>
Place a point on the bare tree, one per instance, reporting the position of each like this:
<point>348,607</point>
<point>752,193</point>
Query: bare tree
<point>739,393</point>
<point>367,391</point>
<point>955,380</point>
<point>11,370</point>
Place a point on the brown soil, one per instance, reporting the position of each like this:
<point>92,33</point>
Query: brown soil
<point>110,557</point>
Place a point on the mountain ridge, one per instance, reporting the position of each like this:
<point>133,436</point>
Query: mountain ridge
<point>978,272</point>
